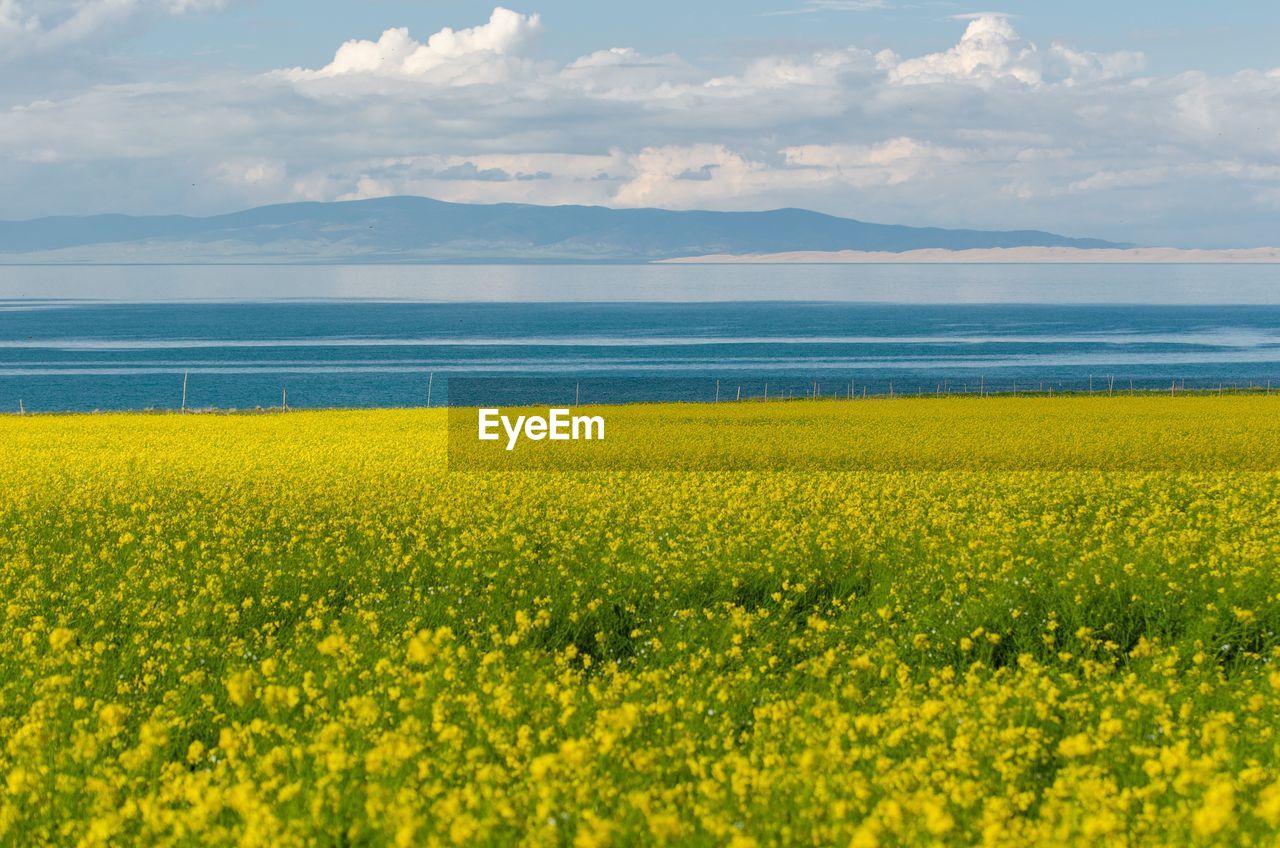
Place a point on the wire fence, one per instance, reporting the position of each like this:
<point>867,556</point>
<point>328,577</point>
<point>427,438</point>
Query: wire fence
<point>189,392</point>
<point>472,392</point>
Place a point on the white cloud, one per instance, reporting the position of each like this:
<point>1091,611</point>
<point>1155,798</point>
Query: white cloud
<point>623,73</point>
<point>993,132</point>
<point>973,16</point>
<point>683,176</point>
<point>480,178</point>
<point>674,176</point>
<point>991,49</point>
<point>397,54</point>
<point>250,172</point>
<point>811,7</point>
<point>891,162</point>
<point>30,27</point>
<point>614,57</point>
<point>820,69</point>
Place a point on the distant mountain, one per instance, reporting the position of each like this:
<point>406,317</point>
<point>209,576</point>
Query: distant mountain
<point>417,229</point>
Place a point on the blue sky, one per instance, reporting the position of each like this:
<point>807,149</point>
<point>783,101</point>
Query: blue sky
<point>1157,123</point>
<point>1175,36</point>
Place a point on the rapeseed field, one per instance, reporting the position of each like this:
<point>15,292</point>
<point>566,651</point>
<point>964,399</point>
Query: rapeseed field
<point>953,621</point>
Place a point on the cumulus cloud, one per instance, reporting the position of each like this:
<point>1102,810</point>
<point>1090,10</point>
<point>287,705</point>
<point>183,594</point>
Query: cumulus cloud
<point>683,176</point>
<point>396,54</point>
<point>993,131</point>
<point>991,49</point>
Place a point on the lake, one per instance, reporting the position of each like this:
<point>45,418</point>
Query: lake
<point>121,337</point>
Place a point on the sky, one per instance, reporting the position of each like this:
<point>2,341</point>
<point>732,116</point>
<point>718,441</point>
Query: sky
<point>1156,123</point>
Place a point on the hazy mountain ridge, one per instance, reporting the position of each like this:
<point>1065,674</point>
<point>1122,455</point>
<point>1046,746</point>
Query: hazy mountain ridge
<point>416,229</point>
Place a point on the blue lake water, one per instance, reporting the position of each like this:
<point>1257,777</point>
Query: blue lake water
<point>125,338</point>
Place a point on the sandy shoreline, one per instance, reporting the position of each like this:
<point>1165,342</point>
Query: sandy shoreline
<point>1012,255</point>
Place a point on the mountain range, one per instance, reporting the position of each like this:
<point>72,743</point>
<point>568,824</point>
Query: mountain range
<point>419,229</point>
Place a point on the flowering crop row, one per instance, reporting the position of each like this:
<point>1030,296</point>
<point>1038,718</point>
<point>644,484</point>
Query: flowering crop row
<point>302,630</point>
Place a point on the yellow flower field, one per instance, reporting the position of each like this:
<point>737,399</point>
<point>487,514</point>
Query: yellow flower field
<point>1016,621</point>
